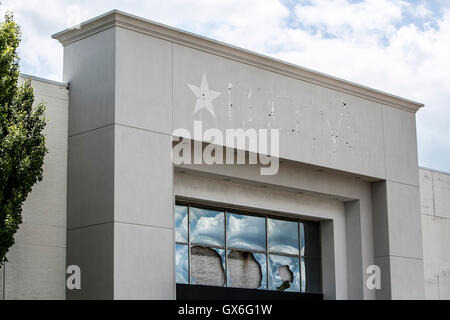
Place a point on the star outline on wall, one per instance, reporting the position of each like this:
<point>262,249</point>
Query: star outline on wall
<point>205,96</point>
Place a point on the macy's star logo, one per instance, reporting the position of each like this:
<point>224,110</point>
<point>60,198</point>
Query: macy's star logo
<point>205,96</point>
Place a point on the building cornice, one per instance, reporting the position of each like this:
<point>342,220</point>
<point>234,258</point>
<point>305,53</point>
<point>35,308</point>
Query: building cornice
<point>120,19</point>
<point>57,83</point>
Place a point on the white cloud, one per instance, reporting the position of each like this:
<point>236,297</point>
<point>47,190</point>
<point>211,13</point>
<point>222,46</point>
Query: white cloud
<point>395,46</point>
<point>422,11</point>
<point>343,19</point>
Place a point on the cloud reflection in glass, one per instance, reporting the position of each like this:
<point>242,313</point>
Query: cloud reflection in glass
<point>284,273</point>
<point>181,263</point>
<point>246,232</point>
<point>207,227</point>
<point>181,224</point>
<point>282,236</point>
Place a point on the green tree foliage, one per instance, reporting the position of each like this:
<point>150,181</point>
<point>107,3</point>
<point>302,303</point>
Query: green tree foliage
<point>22,141</point>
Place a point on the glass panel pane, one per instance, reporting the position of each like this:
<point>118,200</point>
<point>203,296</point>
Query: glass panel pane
<point>303,274</point>
<point>247,270</point>
<point>283,236</point>
<point>207,266</point>
<point>181,263</point>
<point>181,224</point>
<point>313,272</point>
<point>302,238</point>
<point>207,227</point>
<point>246,232</point>
<point>284,273</point>
<point>312,239</point>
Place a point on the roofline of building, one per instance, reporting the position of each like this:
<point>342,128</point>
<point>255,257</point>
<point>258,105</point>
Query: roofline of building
<point>27,76</point>
<point>435,170</point>
<point>128,21</point>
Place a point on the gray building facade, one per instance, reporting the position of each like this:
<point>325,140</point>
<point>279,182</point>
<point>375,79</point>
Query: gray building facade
<point>36,267</point>
<point>347,161</point>
<point>435,209</point>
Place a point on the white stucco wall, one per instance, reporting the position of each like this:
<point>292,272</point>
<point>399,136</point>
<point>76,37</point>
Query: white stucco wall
<point>435,208</point>
<point>36,263</point>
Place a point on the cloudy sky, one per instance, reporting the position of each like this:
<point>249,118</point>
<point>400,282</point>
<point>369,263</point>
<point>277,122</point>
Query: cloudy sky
<point>401,47</point>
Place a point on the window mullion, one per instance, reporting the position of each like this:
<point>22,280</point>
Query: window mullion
<point>267,255</point>
<point>226,248</point>
<point>189,243</point>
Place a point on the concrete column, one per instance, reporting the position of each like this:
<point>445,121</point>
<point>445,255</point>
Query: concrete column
<point>144,257</point>
<point>121,229</point>
<point>89,68</point>
<point>396,211</point>
<point>90,225</point>
<point>398,240</point>
<point>354,247</point>
<point>328,260</point>
<point>143,204</point>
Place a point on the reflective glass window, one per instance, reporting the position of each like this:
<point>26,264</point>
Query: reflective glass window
<point>208,266</point>
<point>207,227</point>
<point>302,238</point>
<point>246,232</point>
<point>282,236</point>
<point>247,269</point>
<point>181,224</point>
<point>181,263</point>
<point>284,273</point>
<point>228,249</point>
